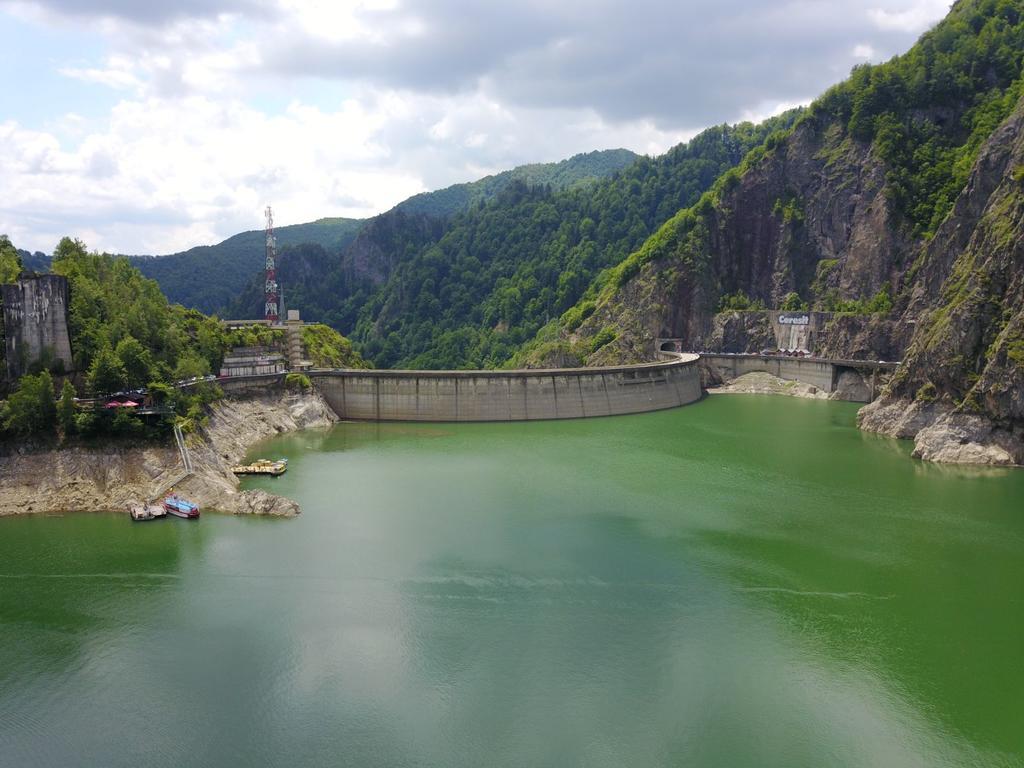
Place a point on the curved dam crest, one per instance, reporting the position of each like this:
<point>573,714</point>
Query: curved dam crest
<point>517,395</point>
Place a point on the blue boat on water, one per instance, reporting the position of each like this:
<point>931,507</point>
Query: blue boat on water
<point>179,507</point>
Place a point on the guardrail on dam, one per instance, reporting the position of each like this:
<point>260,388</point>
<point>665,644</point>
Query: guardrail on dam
<point>520,395</point>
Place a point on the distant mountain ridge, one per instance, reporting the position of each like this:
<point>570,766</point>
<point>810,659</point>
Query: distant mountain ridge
<point>34,262</point>
<point>211,277</point>
<point>577,171</point>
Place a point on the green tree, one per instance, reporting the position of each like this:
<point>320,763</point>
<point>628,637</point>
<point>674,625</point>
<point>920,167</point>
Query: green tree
<point>190,365</point>
<point>160,392</point>
<point>298,381</point>
<point>881,303</point>
<point>136,361</point>
<point>126,423</point>
<point>106,374</point>
<point>792,302</point>
<point>69,249</point>
<point>739,301</point>
<point>66,408</point>
<point>10,261</point>
<point>31,408</point>
<point>86,423</point>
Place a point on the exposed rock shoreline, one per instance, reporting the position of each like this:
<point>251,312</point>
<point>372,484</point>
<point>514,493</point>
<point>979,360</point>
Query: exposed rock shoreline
<point>766,384</point>
<point>106,478</point>
<point>943,434</point>
<point>940,434</point>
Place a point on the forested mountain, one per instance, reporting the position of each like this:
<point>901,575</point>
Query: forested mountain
<point>333,286</point>
<point>895,200</point>
<point>901,184</point>
<point>412,291</point>
<point>209,277</point>
<point>578,171</point>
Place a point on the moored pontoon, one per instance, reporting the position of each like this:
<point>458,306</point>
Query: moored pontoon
<point>141,512</point>
<point>262,467</point>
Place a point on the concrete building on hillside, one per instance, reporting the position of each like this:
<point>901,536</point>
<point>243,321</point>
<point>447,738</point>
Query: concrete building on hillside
<point>253,361</point>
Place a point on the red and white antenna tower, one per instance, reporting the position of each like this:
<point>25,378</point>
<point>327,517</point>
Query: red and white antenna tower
<point>271,310</point>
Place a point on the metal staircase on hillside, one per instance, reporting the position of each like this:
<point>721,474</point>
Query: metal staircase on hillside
<point>179,438</point>
<point>186,462</point>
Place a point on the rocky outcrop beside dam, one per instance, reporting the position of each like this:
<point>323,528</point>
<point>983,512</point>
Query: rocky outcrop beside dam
<point>960,393</point>
<point>35,324</point>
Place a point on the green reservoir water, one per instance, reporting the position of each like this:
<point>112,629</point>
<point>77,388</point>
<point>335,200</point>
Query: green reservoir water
<point>748,581</point>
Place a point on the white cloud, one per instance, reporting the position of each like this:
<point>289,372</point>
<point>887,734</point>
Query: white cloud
<point>116,73</point>
<point>134,11</point>
<point>764,110</point>
<point>222,108</point>
<point>917,18</point>
<point>166,174</point>
<point>864,52</point>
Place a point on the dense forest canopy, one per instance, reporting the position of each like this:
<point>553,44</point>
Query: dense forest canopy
<point>210,278</point>
<point>505,269</point>
<point>543,245</point>
<point>115,311</point>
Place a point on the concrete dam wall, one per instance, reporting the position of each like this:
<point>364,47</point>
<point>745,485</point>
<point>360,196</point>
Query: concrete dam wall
<point>522,395</point>
<point>856,380</point>
<point>818,373</point>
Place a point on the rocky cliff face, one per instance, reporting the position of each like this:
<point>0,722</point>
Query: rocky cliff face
<point>740,332</point>
<point>809,216</point>
<point>837,336</point>
<point>865,337</point>
<point>384,242</point>
<point>960,393</point>
<point>957,319</point>
<point>899,193</point>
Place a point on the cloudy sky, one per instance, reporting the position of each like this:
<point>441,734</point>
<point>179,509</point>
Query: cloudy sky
<point>149,127</point>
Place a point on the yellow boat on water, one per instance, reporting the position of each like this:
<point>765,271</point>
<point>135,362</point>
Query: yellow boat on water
<point>262,467</point>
